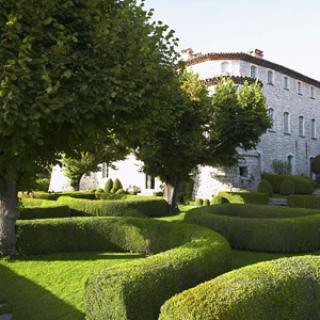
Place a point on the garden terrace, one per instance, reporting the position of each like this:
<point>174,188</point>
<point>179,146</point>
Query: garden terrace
<point>262,228</point>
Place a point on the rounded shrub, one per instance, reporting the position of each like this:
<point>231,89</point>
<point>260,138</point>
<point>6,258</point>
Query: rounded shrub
<point>180,256</point>
<point>241,198</point>
<point>218,200</point>
<point>117,185</point>
<point>287,187</point>
<point>108,185</point>
<point>265,187</point>
<point>198,202</point>
<point>262,228</point>
<point>120,191</point>
<point>283,289</point>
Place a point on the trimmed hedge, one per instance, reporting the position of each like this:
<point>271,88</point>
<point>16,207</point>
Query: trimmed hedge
<point>110,196</point>
<point>136,290</point>
<point>265,187</point>
<point>262,228</point>
<point>131,206</point>
<point>42,209</point>
<point>303,201</point>
<point>302,185</point>
<point>287,187</point>
<point>241,198</point>
<point>284,289</point>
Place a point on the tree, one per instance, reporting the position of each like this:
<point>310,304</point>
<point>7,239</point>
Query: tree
<point>107,152</point>
<point>70,70</point>
<point>206,131</point>
<point>315,165</point>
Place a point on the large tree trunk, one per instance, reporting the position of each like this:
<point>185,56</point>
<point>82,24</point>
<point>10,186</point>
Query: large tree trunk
<point>8,216</point>
<point>171,193</point>
<point>75,183</point>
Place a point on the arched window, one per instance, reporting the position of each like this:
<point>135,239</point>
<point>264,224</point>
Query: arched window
<point>301,126</point>
<point>253,71</point>
<point>225,68</point>
<point>270,77</point>
<point>286,122</point>
<point>313,129</point>
<point>270,112</point>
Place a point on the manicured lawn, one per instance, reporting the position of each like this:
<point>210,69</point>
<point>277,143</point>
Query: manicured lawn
<point>51,287</point>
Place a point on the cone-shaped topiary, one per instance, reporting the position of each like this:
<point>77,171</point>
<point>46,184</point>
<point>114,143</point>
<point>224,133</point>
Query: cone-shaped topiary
<point>287,187</point>
<point>117,184</point>
<point>108,186</point>
<point>265,187</point>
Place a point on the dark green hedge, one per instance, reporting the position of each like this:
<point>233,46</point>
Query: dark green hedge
<point>42,209</point>
<point>184,256</point>
<point>302,185</point>
<point>56,195</point>
<point>259,228</point>
<point>110,196</point>
<point>284,289</point>
<point>241,198</point>
<point>136,206</point>
<point>302,201</point>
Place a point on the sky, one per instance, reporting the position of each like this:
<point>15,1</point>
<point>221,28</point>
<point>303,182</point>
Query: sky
<point>287,31</point>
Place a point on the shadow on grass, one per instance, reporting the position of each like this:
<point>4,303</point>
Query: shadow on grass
<point>27,300</point>
<point>78,256</point>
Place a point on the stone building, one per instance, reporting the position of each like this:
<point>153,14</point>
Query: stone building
<point>293,104</point>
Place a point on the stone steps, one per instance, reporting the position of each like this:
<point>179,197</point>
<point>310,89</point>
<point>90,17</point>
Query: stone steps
<point>278,202</point>
<point>6,315</point>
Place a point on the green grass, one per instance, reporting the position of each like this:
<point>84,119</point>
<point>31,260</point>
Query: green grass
<point>51,287</point>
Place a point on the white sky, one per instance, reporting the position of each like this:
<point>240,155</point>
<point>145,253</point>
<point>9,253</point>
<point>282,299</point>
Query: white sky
<point>287,31</point>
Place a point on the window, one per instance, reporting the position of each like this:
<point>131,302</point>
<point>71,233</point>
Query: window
<point>105,170</point>
<point>270,112</point>
<point>270,77</point>
<point>290,163</point>
<point>286,122</point>
<point>301,126</point>
<point>150,182</point>
<point>312,92</point>
<point>243,171</point>
<point>286,83</point>
<point>225,68</point>
<point>313,129</point>
<point>299,88</point>
<point>253,71</point>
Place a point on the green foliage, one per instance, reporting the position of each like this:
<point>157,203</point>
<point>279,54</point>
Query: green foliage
<point>117,185</point>
<point>108,185</point>
<point>206,131</point>
<point>110,196</point>
<point>262,228</point>
<point>199,202</point>
<point>302,185</point>
<point>304,201</point>
<point>56,195</point>
<point>120,191</point>
<point>158,194</point>
<point>42,209</point>
<point>241,198</point>
<point>265,187</point>
<point>206,202</point>
<point>285,289</point>
<point>287,187</point>
<point>183,256</point>
<point>281,167</point>
<point>315,165</point>
<point>130,206</point>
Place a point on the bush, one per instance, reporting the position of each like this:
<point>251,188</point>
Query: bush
<point>315,165</point>
<point>158,194</point>
<point>120,191</point>
<point>241,198</point>
<point>206,202</point>
<point>198,202</point>
<point>56,195</point>
<point>265,187</point>
<point>136,290</point>
<point>117,185</point>
<point>42,209</point>
<point>304,201</point>
<point>110,196</point>
<point>287,187</point>
<point>283,289</point>
<point>108,186</point>
<point>262,228</point>
<point>131,206</point>
<point>302,185</point>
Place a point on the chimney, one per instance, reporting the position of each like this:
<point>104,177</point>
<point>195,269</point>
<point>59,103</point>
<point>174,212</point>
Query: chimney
<point>187,54</point>
<point>256,53</point>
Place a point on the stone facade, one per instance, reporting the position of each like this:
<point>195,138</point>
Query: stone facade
<point>290,95</point>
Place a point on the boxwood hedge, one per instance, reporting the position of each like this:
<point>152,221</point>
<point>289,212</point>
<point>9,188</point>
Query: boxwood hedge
<point>134,206</point>
<point>182,256</point>
<point>283,289</point>
<point>304,201</point>
<point>241,198</point>
<point>262,228</point>
<point>42,209</point>
<point>56,195</point>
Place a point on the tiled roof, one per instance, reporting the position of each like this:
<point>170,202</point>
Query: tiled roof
<point>254,60</point>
